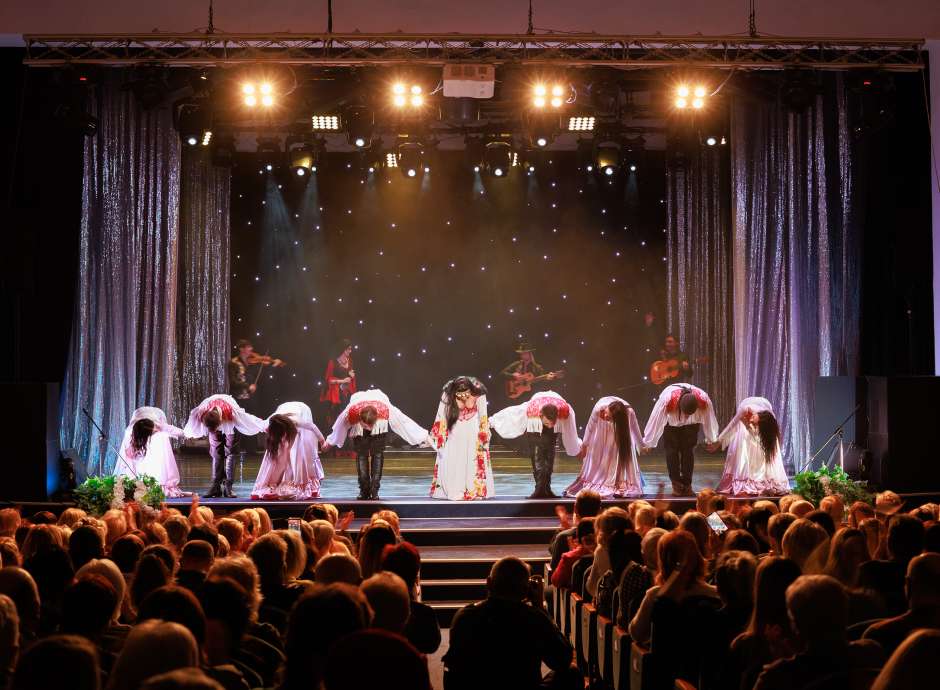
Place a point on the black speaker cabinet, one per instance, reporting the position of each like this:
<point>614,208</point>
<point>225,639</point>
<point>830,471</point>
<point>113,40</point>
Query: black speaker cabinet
<point>31,472</point>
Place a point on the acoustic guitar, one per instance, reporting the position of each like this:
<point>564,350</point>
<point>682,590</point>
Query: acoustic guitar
<point>664,370</point>
<point>515,387</point>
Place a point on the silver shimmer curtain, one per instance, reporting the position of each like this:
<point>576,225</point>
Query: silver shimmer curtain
<point>203,301</point>
<point>699,270</point>
<point>796,254</point>
<point>151,314</point>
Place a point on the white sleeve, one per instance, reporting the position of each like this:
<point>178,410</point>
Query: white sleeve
<point>656,423</point>
<point>247,423</point>
<point>510,422</point>
<point>590,430</point>
<point>710,425</point>
<point>172,431</point>
<point>405,427</point>
<point>337,436</point>
<point>194,427</point>
<point>724,438</point>
<point>569,433</point>
<point>437,436</point>
<point>635,433</point>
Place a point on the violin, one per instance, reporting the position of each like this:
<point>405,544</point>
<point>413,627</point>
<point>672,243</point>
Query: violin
<point>264,360</point>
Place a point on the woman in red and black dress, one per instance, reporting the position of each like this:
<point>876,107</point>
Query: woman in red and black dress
<point>339,382</point>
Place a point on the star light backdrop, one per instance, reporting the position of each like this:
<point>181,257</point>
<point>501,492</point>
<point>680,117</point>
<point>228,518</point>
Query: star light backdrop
<point>442,276</point>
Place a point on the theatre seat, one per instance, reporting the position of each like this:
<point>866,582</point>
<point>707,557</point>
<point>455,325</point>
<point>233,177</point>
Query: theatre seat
<point>639,669</point>
<point>587,659</point>
<point>620,658</point>
<point>683,685</point>
<point>574,622</point>
<point>605,638</point>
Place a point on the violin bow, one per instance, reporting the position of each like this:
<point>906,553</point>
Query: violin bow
<point>261,368</point>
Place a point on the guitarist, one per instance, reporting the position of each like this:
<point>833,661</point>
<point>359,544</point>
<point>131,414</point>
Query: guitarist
<point>672,351</point>
<point>526,364</point>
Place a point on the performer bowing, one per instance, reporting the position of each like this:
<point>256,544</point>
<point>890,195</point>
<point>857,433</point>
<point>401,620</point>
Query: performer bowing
<point>680,412</point>
<point>367,418</point>
<point>541,419</point>
<point>218,417</point>
<point>461,436</point>
<point>754,464</point>
<point>608,452</point>
<point>146,449</point>
<point>291,468</point>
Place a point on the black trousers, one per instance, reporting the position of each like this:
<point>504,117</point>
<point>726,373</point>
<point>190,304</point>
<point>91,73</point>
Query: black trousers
<point>370,459</point>
<point>542,451</point>
<point>679,442</point>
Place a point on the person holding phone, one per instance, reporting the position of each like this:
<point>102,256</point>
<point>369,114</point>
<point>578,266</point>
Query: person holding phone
<point>754,463</point>
<point>680,413</point>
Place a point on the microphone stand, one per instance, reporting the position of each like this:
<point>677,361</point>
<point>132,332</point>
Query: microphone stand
<point>838,433</point>
<point>103,444</point>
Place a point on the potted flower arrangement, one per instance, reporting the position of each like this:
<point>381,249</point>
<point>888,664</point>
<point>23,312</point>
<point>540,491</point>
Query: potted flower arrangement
<point>97,495</point>
<point>814,485</point>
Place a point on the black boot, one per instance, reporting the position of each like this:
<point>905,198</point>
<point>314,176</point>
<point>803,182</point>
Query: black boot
<point>548,466</point>
<point>362,466</point>
<point>229,474</point>
<point>538,472</point>
<point>218,466</point>
<point>378,462</point>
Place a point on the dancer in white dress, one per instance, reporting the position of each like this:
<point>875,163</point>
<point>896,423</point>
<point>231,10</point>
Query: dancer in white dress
<point>290,469</point>
<point>219,417</point>
<point>367,419</point>
<point>754,464</point>
<point>612,439</point>
<point>461,436</point>
<point>541,419</point>
<point>146,449</point>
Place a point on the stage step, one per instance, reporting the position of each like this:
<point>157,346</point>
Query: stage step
<point>472,589</point>
<point>475,562</point>
<point>446,610</point>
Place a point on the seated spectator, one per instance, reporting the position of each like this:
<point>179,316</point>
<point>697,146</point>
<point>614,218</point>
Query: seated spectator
<point>680,564</point>
<point>196,559</point>
<point>777,526</point>
<point>296,558</point>
<point>227,607</point>
<point>757,522</point>
<point>932,538</point>
<point>667,520</point>
<point>768,504</point>
<point>176,605</point>
<point>587,504</point>
<point>113,637</point>
<point>87,609</point>
<point>740,540</point>
<point>886,577</point>
<point>394,663</point>
<point>847,552</point>
<point>9,553</point>
<point>860,511</point>
<point>390,517</point>
<point>922,586</point>
<point>150,574</point>
<point>51,568</point>
<point>9,521</point>
<point>85,544</point>
<point>234,532</point>
<point>9,639</point>
<point>164,553</point>
<point>269,553</point>
<point>338,568</point>
<point>607,523</point>
<point>177,531</point>
<point>696,524</point>
<point>206,532</point>
<point>734,580</point>
<point>768,636</point>
<point>422,629</point>
<point>58,661</point>
<point>823,519</point>
<point>786,501</point>
<point>817,607</point>
<point>913,664</point>
<point>873,529</point>
<point>624,548</point>
<point>19,585</point>
<point>835,508</point>
<point>801,508</point>
<point>153,647</point>
<point>806,544</point>
<point>644,520</point>
<point>182,679</point>
<point>585,544</point>
<point>703,501</point>
<point>371,545</point>
<point>388,597</point>
<point>309,637</point>
<point>638,577</point>
<point>511,631</point>
<point>888,503</point>
<point>125,552</point>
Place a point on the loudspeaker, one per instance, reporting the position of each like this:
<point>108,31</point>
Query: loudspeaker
<point>31,472</point>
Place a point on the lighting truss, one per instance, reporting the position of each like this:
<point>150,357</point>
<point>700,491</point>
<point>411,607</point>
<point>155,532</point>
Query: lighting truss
<point>558,50</point>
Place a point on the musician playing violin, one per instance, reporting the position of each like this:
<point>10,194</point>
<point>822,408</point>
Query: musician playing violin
<point>240,387</point>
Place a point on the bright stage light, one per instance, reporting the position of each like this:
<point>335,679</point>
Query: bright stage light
<point>248,88</point>
<point>557,90</point>
<point>407,95</point>
<point>608,158</point>
<point>192,141</point>
<point>301,172</point>
<point>391,160</point>
<point>411,158</point>
<point>359,121</point>
<point>700,92</point>
<point>498,172</point>
<point>360,142</point>
<point>682,103</point>
<point>254,94</point>
<point>399,100</point>
<point>498,158</point>
<point>411,172</point>
<point>711,141</point>
<point>632,168</point>
<point>398,88</point>
<point>698,103</point>
<point>581,123</point>
<point>265,88</point>
<point>415,90</point>
<point>556,102</point>
<point>540,90</point>
<point>267,100</point>
<point>609,170</point>
<point>269,167</point>
<point>682,91</point>
<point>541,93</point>
<point>541,141</point>
<point>417,101</point>
<point>251,101</point>
<point>324,123</point>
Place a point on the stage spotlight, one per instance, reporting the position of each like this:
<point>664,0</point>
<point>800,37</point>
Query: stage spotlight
<point>411,159</point>
<point>255,92</point>
<point>391,160</point>
<point>324,123</point>
<point>411,95</point>
<point>149,88</point>
<point>303,159</point>
<point>545,95</point>
<point>607,158</point>
<point>194,124</point>
<point>581,123</point>
<point>223,150</point>
<point>269,152</point>
<point>360,121</point>
<point>498,157</point>
<point>690,96</point>
<point>632,168</point>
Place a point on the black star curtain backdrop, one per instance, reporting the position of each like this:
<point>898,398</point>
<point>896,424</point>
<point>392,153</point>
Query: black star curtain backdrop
<point>443,275</point>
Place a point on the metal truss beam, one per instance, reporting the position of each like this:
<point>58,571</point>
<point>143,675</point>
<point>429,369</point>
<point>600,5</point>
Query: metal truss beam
<point>560,50</point>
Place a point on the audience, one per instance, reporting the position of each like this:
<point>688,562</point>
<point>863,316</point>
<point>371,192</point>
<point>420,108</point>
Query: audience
<point>788,597</point>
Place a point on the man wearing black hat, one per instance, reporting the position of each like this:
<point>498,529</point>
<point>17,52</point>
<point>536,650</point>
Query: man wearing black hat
<point>518,373</point>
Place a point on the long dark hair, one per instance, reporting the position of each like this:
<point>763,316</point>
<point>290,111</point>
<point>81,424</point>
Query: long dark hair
<point>769,432</point>
<point>280,428</point>
<point>621,420</point>
<point>140,435</point>
<point>458,385</point>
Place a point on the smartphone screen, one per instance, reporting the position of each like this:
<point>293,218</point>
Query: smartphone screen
<point>294,524</point>
<point>716,523</point>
